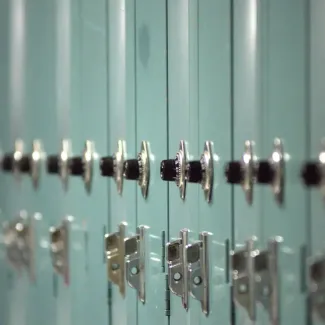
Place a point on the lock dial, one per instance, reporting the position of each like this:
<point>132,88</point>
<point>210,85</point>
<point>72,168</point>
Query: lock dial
<point>139,169</point>
<point>59,164</point>
<point>174,170</point>
<point>83,165</point>
<point>201,171</point>
<point>313,172</point>
<point>113,166</point>
<point>242,171</point>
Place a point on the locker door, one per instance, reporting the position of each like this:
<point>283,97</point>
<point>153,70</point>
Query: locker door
<point>4,142</point>
<point>70,229</point>
<point>18,188</point>
<point>122,138</point>
<point>182,126</point>
<point>41,124</point>
<point>285,96</point>
<point>151,121</point>
<point>246,146</point>
<point>215,126</point>
<point>316,152</point>
<point>93,121</point>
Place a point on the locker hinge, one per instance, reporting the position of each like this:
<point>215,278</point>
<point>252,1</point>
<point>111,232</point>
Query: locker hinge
<point>163,243</point>
<point>167,297</point>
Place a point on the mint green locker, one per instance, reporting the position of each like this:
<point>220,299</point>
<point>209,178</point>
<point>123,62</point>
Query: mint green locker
<point>312,168</point>
<point>122,145</point>
<point>285,81</point>
<point>183,146</point>
<point>41,124</point>
<point>18,187</point>
<point>69,231</point>
<point>246,139</point>
<point>4,141</point>
<point>92,115</point>
<point>214,118</point>
<point>151,135</point>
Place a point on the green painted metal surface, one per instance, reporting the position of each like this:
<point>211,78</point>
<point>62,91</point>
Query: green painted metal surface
<point>122,126</point>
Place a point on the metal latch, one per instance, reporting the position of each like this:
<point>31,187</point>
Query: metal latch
<point>135,258</point>
<point>59,249</point>
<point>198,267</point>
<point>177,267</point>
<point>18,240</point>
<point>115,254</point>
<point>317,288</point>
<point>255,279</point>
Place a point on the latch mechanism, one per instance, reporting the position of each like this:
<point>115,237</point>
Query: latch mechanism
<point>135,258</point>
<point>177,267</point>
<point>18,240</point>
<point>198,267</point>
<point>59,249</point>
<point>317,287</point>
<point>255,279</point>
<point>115,254</point>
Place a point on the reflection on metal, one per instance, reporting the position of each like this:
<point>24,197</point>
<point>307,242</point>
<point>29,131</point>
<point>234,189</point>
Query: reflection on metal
<point>178,267</point>
<point>88,162</point>
<point>180,162</point>
<point>207,171</point>
<point>36,159</point>
<point>144,168</point>
<point>64,162</point>
<point>248,171</point>
<point>115,254</point>
<point>135,259</point>
<point>119,165</point>
<point>18,154</point>
<point>317,288</point>
<point>255,279</point>
<point>59,249</point>
<point>18,239</point>
<point>198,267</point>
<point>277,161</point>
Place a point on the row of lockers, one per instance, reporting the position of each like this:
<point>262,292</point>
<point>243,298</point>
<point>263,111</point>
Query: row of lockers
<point>180,170</point>
<point>134,77</point>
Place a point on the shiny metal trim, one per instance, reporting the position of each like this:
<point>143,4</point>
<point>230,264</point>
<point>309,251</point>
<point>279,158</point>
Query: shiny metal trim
<point>198,269</point>
<point>248,168</point>
<point>181,160</point>
<point>18,154</point>
<point>59,249</point>
<point>36,158</point>
<point>88,162</point>
<point>277,161</point>
<point>207,171</point>
<point>135,261</point>
<point>144,168</point>
<point>115,254</point>
<point>177,267</point>
<point>119,158</point>
<point>321,159</point>
<point>64,156</point>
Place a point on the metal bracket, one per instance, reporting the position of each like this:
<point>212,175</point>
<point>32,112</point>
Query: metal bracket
<point>88,161</point>
<point>317,288</point>
<point>115,254</point>
<point>277,160</point>
<point>135,259</point>
<point>119,157</point>
<point>64,156</point>
<point>18,153</point>
<point>178,267</point>
<point>255,279</point>
<point>207,171</point>
<point>144,168</point>
<point>36,158</point>
<point>18,238</point>
<point>181,162</point>
<point>59,249</point>
<point>248,171</point>
<point>198,267</point>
